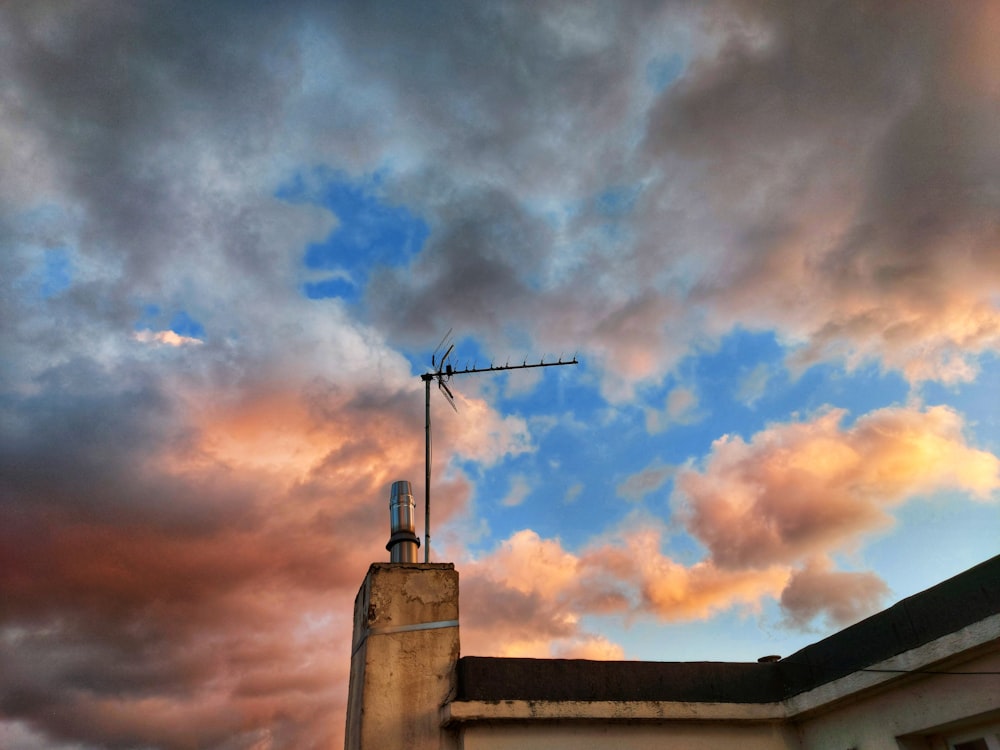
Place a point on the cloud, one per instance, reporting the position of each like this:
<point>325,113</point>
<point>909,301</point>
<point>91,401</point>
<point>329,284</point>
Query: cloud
<point>155,591</point>
<point>480,434</point>
<point>842,597</point>
<point>754,385</point>
<point>519,490</point>
<point>593,647</point>
<point>851,209</point>
<point>528,596</point>
<point>650,479</point>
<point>169,338</point>
<point>183,536</point>
<point>671,591</point>
<point>854,179</point>
<point>170,515</point>
<point>825,244</point>
<point>806,488</point>
<point>573,493</point>
<point>499,620</point>
<point>680,408</point>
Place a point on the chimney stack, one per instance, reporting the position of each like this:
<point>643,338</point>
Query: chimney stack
<point>403,542</point>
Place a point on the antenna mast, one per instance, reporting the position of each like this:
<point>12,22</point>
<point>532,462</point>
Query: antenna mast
<point>442,375</point>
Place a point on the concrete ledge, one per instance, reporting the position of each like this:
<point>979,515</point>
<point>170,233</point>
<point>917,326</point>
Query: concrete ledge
<point>459,712</point>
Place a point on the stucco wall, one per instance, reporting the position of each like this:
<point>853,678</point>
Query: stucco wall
<point>652,736</point>
<point>917,705</point>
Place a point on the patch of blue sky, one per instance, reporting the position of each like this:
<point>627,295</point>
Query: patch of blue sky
<point>860,391</point>
<point>153,318</point>
<point>534,508</point>
<point>610,209</point>
<point>50,272</point>
<point>978,402</point>
<point>557,389</point>
<point>663,71</point>
<point>617,201</point>
<point>732,635</point>
<point>332,287</point>
<point>467,352</point>
<point>183,324</point>
<point>370,232</point>
<point>716,382</point>
<point>720,379</point>
<point>913,551</point>
<point>574,476</point>
<point>587,447</point>
<point>683,548</point>
<point>149,318</point>
<point>57,272</point>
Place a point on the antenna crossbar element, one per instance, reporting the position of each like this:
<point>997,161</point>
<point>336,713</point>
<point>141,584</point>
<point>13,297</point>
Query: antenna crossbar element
<point>444,372</point>
<point>499,368</point>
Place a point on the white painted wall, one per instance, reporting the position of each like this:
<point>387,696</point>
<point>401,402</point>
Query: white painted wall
<point>919,706</point>
<point>647,736</point>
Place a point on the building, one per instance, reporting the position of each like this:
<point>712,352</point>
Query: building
<point>923,674</point>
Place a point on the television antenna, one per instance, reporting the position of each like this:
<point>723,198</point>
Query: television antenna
<point>443,373</point>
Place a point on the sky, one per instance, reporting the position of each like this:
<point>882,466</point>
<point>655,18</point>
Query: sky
<point>233,233</point>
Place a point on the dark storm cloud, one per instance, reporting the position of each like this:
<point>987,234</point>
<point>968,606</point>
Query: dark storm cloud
<point>479,270</point>
<point>518,81</point>
<point>518,105</point>
<point>98,437</point>
<point>846,148</point>
<point>826,177</point>
<point>149,574</point>
<point>128,100</point>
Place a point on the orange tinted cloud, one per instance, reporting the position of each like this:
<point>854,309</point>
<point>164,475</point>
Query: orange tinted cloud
<point>843,597</point>
<point>528,596</point>
<point>168,338</point>
<point>806,488</point>
<point>186,565</point>
<point>658,585</point>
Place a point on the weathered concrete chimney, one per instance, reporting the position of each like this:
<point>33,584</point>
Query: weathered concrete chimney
<point>403,656</point>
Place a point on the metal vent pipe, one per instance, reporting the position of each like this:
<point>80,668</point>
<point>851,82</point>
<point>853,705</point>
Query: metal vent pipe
<point>403,542</point>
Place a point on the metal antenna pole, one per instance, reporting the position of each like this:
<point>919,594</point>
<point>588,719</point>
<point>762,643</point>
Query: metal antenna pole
<point>442,375</point>
<point>427,466</point>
